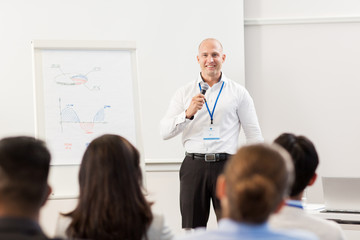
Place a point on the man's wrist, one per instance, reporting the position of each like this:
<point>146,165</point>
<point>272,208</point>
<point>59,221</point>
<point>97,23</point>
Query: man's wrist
<point>189,117</point>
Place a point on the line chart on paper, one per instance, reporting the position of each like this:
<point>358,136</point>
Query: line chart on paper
<point>68,115</point>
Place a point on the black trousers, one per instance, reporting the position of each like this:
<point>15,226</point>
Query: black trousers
<point>197,187</point>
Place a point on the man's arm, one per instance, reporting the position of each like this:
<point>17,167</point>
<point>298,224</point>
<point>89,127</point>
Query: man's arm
<point>178,116</point>
<point>248,118</point>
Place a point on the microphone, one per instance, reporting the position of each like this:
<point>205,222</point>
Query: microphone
<point>204,87</point>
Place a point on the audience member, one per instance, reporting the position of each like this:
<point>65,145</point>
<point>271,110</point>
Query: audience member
<point>254,184</point>
<point>111,202</point>
<point>24,168</point>
<point>305,160</point>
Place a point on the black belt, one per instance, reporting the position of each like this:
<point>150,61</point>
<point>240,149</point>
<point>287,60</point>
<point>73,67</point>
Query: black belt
<point>209,157</point>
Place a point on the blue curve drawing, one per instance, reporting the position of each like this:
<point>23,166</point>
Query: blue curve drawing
<point>99,116</point>
<point>69,115</point>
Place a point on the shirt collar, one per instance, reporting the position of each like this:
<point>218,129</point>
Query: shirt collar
<point>222,78</point>
<point>231,225</point>
<point>294,203</point>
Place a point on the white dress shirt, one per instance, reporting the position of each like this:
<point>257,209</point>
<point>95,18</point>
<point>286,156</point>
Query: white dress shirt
<point>235,108</point>
<point>296,218</point>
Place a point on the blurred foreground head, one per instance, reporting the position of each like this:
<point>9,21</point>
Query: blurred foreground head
<point>24,169</point>
<point>255,182</point>
<point>111,203</point>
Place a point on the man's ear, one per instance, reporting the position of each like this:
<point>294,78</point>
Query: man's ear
<point>279,207</point>
<point>49,191</point>
<point>312,180</point>
<point>221,187</point>
<point>223,58</point>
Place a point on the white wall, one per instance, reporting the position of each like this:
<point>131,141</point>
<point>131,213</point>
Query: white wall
<point>302,70</point>
<point>273,9</point>
<point>167,34</point>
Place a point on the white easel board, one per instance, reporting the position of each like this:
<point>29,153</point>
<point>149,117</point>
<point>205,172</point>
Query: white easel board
<point>84,89</point>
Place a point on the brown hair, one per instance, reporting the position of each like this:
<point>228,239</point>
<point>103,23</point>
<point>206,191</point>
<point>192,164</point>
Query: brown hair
<point>257,179</point>
<point>111,202</point>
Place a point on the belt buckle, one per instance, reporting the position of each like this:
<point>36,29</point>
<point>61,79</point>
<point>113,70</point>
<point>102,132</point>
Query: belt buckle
<point>210,157</point>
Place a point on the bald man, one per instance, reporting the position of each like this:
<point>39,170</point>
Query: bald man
<point>209,113</point>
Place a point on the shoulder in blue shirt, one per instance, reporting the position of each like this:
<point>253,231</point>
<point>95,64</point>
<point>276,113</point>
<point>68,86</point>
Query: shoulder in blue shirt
<point>231,230</point>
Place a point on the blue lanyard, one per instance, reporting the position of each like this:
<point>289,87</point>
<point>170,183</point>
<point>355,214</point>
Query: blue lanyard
<point>293,203</point>
<point>212,113</point>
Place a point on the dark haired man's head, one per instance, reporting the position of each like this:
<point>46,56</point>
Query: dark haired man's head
<point>24,168</point>
<point>305,159</point>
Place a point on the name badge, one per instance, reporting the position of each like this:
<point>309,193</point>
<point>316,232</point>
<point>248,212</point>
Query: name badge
<point>211,133</point>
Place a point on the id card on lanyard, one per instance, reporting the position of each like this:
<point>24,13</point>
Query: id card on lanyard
<point>212,132</point>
